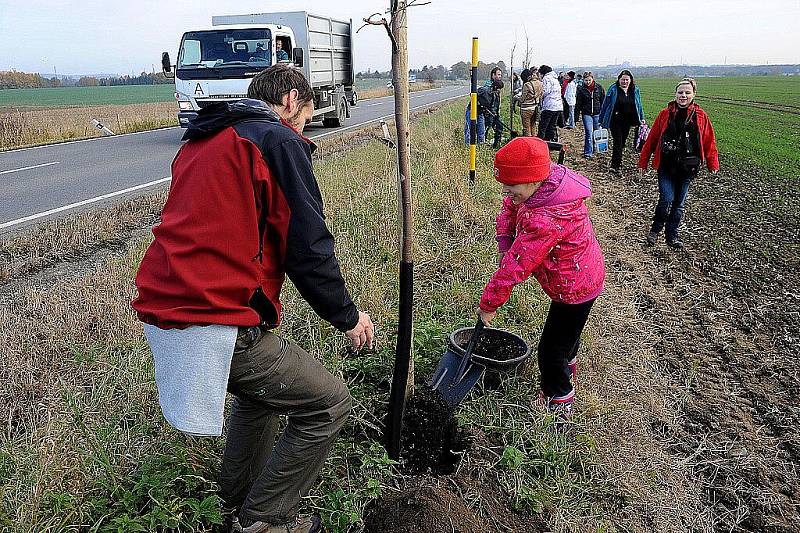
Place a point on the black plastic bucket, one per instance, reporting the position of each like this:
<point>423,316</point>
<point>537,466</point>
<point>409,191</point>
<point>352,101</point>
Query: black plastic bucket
<point>497,349</point>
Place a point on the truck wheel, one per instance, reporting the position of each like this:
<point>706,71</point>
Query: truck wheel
<point>338,121</point>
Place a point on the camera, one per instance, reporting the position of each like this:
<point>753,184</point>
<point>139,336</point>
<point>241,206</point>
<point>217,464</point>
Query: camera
<point>670,147</point>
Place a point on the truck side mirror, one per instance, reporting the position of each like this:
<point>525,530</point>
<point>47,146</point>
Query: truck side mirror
<point>297,54</point>
<point>166,65</point>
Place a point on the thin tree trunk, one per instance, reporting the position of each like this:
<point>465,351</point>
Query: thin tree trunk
<point>403,376</point>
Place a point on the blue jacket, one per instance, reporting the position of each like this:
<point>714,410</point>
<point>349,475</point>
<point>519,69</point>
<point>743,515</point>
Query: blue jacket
<point>607,109</point>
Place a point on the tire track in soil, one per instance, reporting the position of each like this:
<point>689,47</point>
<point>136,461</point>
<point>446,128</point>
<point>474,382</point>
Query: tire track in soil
<point>725,311</point>
<point>756,104</point>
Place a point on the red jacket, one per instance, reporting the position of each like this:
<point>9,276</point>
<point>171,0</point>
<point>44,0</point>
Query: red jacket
<point>551,237</point>
<point>708,144</point>
<point>244,210</point>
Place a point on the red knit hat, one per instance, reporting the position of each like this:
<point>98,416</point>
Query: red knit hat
<point>523,160</point>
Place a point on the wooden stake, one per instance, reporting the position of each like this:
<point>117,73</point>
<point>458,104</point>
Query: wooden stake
<point>403,376</point>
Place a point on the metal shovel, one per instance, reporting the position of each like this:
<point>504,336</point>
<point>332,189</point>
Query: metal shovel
<point>455,375</point>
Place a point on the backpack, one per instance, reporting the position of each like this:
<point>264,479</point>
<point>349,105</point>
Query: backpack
<point>485,99</point>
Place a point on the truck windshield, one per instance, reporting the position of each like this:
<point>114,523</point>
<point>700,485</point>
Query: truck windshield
<point>221,48</point>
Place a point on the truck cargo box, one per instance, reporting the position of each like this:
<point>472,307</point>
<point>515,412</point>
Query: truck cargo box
<point>326,43</point>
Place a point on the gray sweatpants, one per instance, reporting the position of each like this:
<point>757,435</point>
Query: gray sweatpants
<point>272,376</point>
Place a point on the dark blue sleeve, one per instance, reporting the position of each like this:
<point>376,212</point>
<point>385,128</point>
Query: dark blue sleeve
<point>311,263</point>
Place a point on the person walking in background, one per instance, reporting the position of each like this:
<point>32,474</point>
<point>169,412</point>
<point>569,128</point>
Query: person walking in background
<point>621,110</point>
<point>543,229</point>
<point>244,211</point>
<point>530,100</point>
<point>681,139</point>
<point>569,100</point>
<point>490,85</point>
<point>552,105</point>
<point>491,110</point>
<point>516,91</point>
<point>588,100</point>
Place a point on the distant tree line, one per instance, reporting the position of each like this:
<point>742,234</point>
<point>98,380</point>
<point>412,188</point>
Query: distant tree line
<point>12,79</point>
<point>458,71</point>
<point>462,70</point>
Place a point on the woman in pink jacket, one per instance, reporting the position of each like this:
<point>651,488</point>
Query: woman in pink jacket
<point>544,229</point>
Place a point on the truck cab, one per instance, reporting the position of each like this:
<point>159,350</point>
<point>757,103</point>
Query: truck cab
<point>218,63</point>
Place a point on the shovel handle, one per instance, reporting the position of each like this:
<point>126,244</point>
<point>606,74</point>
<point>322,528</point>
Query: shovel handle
<point>473,341</point>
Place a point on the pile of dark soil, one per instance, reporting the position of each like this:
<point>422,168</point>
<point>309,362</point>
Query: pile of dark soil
<point>423,509</point>
<point>431,440</point>
<point>469,501</point>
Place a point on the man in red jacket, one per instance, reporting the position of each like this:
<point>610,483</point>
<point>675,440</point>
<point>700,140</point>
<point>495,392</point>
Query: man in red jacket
<point>244,210</point>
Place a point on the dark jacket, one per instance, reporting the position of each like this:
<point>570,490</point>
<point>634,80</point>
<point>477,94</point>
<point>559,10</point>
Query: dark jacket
<point>610,101</point>
<point>244,210</point>
<point>589,102</point>
<point>488,99</point>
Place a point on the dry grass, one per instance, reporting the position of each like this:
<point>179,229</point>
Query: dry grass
<point>80,397</point>
<point>20,127</point>
<point>23,127</point>
<point>76,236</point>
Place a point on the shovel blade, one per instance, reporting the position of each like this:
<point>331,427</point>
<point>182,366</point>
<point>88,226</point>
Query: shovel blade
<point>446,381</point>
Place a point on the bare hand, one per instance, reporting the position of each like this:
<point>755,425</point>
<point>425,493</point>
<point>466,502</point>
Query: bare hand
<point>486,317</point>
<point>363,333</point>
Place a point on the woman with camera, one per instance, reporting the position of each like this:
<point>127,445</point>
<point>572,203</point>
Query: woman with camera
<point>681,139</point>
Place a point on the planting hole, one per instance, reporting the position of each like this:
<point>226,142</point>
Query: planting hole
<point>431,440</point>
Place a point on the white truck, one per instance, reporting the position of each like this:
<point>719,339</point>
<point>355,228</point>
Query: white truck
<point>217,64</point>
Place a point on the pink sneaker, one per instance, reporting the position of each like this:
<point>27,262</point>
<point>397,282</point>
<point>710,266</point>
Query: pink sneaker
<point>561,406</point>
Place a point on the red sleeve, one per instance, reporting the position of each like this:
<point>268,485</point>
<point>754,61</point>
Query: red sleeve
<point>528,251</point>
<point>651,144</point>
<point>710,147</point>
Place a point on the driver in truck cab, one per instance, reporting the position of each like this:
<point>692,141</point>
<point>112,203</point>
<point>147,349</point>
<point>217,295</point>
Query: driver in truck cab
<point>280,53</point>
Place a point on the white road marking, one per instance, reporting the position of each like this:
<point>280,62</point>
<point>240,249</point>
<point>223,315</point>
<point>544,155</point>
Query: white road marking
<point>85,140</point>
<point>11,223</point>
<point>28,168</point>
<point>18,221</point>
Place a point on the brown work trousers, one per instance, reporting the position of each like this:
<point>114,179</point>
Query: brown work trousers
<point>272,376</point>
<point>529,118</point>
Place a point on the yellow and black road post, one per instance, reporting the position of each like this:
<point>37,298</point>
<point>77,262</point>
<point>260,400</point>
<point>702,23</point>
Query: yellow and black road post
<point>473,111</point>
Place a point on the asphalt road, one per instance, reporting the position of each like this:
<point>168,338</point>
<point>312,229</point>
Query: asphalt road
<point>44,182</point>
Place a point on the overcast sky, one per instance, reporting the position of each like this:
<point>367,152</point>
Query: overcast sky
<point>92,36</point>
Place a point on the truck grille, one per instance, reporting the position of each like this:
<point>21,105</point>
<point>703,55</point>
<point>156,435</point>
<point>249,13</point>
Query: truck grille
<point>201,103</point>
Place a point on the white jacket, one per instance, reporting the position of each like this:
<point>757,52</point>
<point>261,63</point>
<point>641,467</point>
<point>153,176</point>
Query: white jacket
<point>551,99</point>
<point>571,93</point>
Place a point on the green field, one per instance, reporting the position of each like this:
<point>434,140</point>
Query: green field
<point>87,96</point>
<point>756,119</point>
<point>117,95</point>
